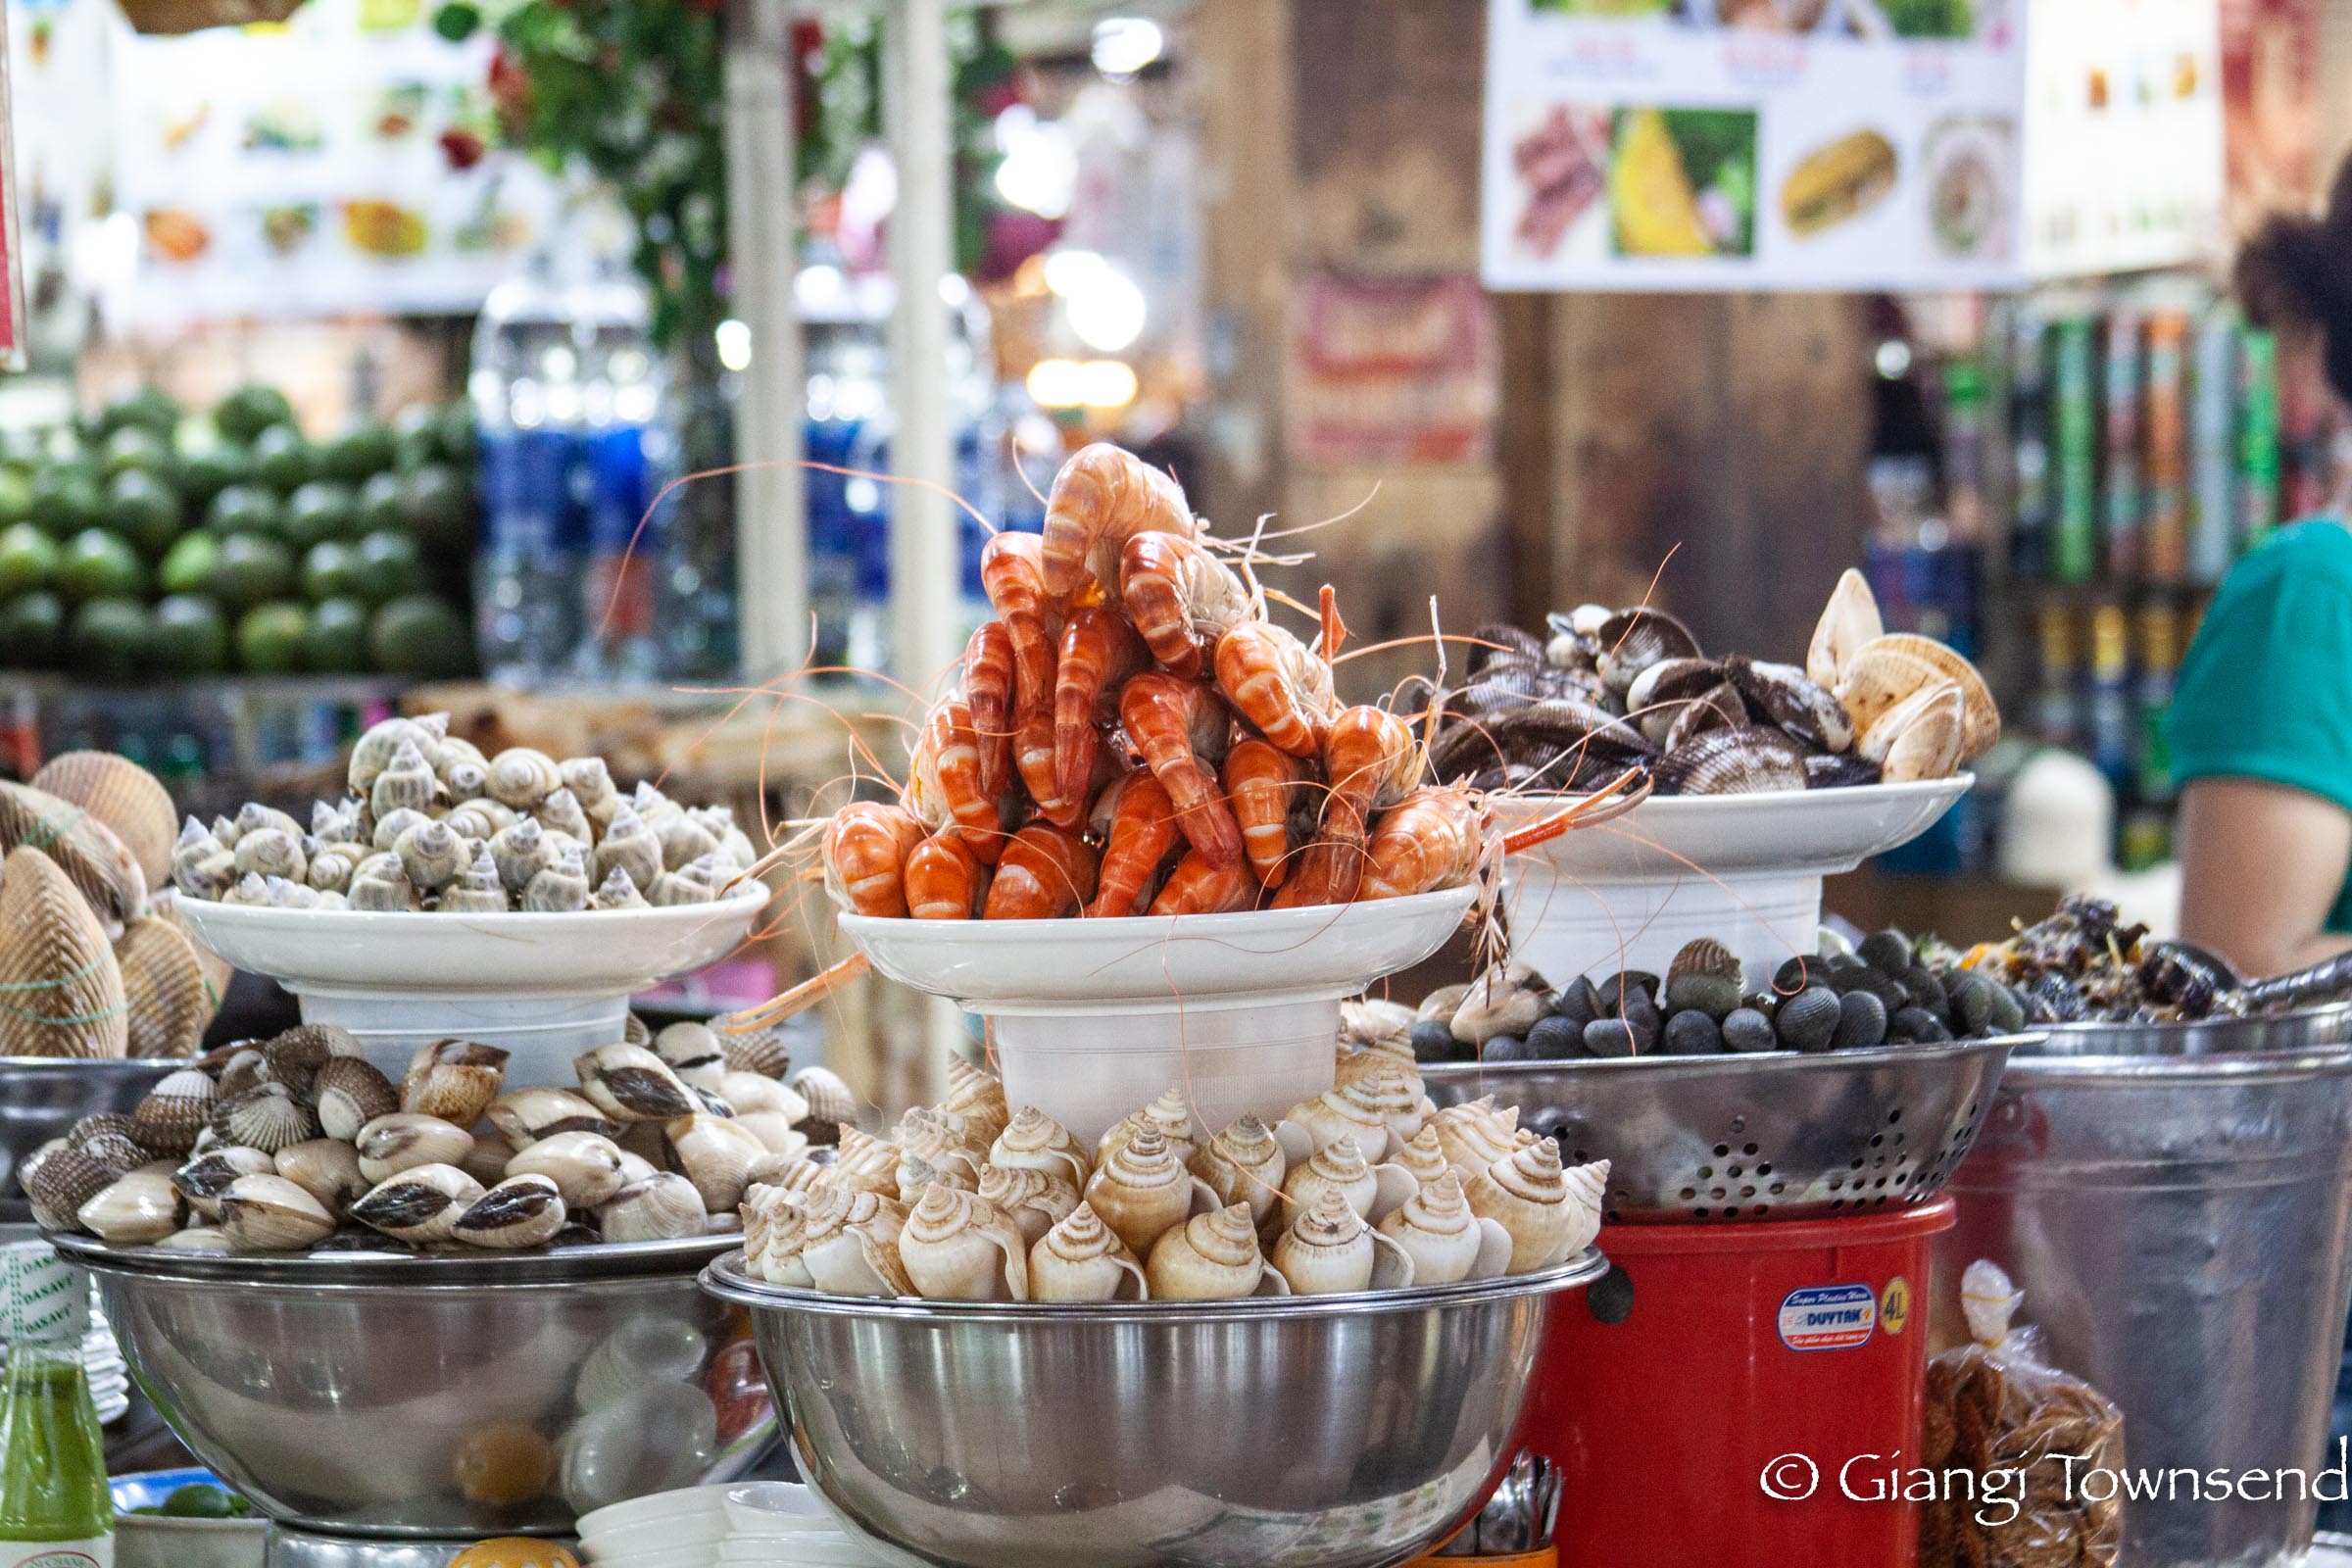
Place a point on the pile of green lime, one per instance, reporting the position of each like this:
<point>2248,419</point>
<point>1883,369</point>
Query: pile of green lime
<point>199,1500</point>
<point>150,541</point>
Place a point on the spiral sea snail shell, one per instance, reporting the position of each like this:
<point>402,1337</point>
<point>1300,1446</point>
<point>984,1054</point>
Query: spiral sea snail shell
<point>1035,1141</point>
<point>959,1246</point>
<point>1082,1260</point>
<point>1035,1200</point>
<point>1243,1164</point>
<point>1209,1258</point>
<point>1448,1242</point>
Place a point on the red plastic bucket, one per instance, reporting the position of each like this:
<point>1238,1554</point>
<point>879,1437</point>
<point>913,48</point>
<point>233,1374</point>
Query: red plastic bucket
<point>1744,1360</point>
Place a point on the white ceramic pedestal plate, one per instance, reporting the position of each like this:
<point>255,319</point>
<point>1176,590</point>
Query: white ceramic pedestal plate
<point>1745,869</point>
<point>1095,1018</point>
<point>542,987</point>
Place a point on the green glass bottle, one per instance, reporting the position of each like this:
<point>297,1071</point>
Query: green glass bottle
<point>55,1510</point>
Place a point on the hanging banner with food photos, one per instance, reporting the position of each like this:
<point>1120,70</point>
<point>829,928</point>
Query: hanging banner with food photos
<point>11,253</point>
<point>1753,144</point>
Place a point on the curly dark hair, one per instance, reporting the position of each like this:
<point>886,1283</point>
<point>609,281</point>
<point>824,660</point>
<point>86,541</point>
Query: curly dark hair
<point>2296,271</point>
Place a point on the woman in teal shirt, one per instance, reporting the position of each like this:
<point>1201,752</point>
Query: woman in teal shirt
<point>2261,726</point>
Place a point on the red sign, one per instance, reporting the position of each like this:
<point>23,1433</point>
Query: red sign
<point>12,255</point>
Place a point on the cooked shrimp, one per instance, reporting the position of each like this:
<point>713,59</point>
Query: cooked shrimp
<point>1012,574</point>
<point>1279,684</point>
<point>1137,824</point>
<point>866,850</point>
<point>1046,871</point>
<point>988,685</point>
<point>1195,887</point>
<point>945,788</point>
<point>1181,597</point>
<point>1098,651</point>
<point>1262,783</point>
<point>945,879</point>
<point>1181,730</point>
<point>1103,497</point>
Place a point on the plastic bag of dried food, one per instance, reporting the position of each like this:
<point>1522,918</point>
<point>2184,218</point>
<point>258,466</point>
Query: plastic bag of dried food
<point>2014,1443</point>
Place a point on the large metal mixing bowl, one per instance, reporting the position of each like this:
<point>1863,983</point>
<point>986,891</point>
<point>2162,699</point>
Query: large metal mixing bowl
<point>40,1097</point>
<point>1340,1432</point>
<point>443,1397</point>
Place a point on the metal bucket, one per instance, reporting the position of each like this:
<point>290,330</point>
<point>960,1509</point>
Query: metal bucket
<point>2176,1202</point>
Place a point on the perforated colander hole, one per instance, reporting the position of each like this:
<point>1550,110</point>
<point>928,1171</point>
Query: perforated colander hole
<point>1748,1192</point>
<point>1876,1139</point>
<point>1621,1196</point>
<point>1748,1149</point>
<point>1761,1209</point>
<point>1702,1213</point>
<point>1706,1173</point>
<point>1895,1115</point>
<point>1778,1188</point>
<point>1855,1164</point>
<point>1616,1216</point>
<point>1580,1158</point>
<point>1837,1203</point>
<point>1901,1139</point>
<point>1719,1193</point>
<point>1689,1193</point>
<point>1765,1168</point>
<point>1836,1184</point>
<point>1734,1171</point>
<point>1722,1150</point>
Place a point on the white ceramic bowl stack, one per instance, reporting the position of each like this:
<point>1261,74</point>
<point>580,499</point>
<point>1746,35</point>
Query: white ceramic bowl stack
<point>773,1523</point>
<point>681,1529</point>
<point>782,1524</point>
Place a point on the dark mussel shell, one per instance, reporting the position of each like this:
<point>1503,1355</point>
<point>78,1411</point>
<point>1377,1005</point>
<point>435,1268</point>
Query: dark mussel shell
<point>1785,695</point>
<point>1830,771</point>
<point>1664,694</point>
<point>1555,734</point>
<point>2183,975</point>
<point>1633,640</point>
<point>1716,708</point>
<point>1513,649</point>
<point>1745,759</point>
<point>1571,650</point>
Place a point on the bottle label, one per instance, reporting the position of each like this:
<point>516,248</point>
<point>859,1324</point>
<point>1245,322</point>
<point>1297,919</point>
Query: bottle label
<point>98,1553</point>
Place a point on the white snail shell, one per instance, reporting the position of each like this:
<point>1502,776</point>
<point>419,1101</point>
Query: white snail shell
<point>1139,1191</point>
<point>979,1099</point>
<point>1082,1260</point>
<point>407,783</point>
<point>1209,1258</point>
<point>850,1243</point>
<point>1528,1195</point>
<point>1327,1250</point>
<point>1372,1191</point>
<point>1421,1158</point>
<point>522,777</point>
<point>942,1140</point>
<point>959,1246</point>
<point>1035,1200</point>
<point>1448,1242</point>
<point>1035,1141</point>
<point>1243,1164</point>
<point>629,846</point>
<point>1168,1113</point>
<point>1475,1135</point>
<point>866,1163</point>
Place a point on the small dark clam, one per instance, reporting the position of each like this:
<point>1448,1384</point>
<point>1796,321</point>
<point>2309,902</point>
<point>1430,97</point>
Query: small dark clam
<point>1512,647</point>
<point>1692,1033</point>
<point>1825,770</point>
<point>1861,1022</point>
<point>1807,1020</point>
<point>1785,695</point>
<point>1633,640</point>
<point>1748,1030</point>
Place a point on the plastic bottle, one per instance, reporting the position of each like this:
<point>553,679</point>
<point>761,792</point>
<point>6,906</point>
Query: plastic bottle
<point>526,396</point>
<point>623,389</point>
<point>55,1511</point>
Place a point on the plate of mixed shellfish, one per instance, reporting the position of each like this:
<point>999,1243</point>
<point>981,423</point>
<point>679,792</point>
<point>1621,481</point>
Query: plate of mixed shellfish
<point>298,1147</point>
<point>1751,764</point>
<point>1365,1187</point>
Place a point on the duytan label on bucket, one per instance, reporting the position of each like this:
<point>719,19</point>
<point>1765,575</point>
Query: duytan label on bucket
<point>1828,1317</point>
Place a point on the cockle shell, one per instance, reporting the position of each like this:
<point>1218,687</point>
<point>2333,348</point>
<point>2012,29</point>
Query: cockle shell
<point>1330,1251</point>
<point>169,1001</point>
<point>203,1179</point>
<point>1172,1113</point>
<point>350,1093</point>
<point>958,1246</point>
<point>832,1102</point>
<point>273,1214</point>
<point>1243,1164</point>
<point>134,1211</point>
<point>979,1099</point>
<point>850,1243</point>
<point>296,1057</point>
<point>560,813</point>
<point>1141,1191</point>
<point>866,1163</point>
<point>1530,1195</point>
<point>1035,1141</point>
<point>328,1169</point>
<point>661,1207</point>
<point>520,777</point>
<point>374,750</point>
<point>63,989</point>
<point>98,865</point>
<point>1890,668</point>
<point>590,784</point>
<point>477,890</point>
<point>718,1155</point>
<point>59,1178</point>
<point>520,1211</point>
<point>455,1080</point>
<point>562,888</point>
<point>520,853</point>
<point>942,1140</point>
<point>407,782</point>
<point>403,1141</point>
<point>432,856</point>
<point>175,1112</point>
<point>1083,1260</point>
<point>123,796</point>
<point>584,1166</point>
<point>1421,1158</point>
<point>631,1084</point>
<point>418,1205</point>
<point>266,1117</point>
<point>1035,1200</point>
<point>1209,1258</point>
<point>165,906</point>
<point>1446,1241</point>
<point>527,1116</point>
<point>1848,622</point>
<point>1474,1135</point>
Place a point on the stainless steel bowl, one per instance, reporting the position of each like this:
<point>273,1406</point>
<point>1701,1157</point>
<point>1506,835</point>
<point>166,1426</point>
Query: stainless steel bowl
<point>40,1097</point>
<point>1340,1432</point>
<point>444,1396</point>
<point>1772,1136</point>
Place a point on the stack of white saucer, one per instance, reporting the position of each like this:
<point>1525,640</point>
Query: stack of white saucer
<point>770,1524</point>
<point>682,1529</point>
<point>776,1523</point>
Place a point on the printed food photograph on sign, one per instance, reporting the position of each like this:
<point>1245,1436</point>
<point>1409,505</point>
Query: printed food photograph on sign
<point>1562,161</point>
<point>1829,17</point>
<point>1839,181</point>
<point>1683,182</point>
<point>1925,19</point>
<point>1605,9</point>
<point>1967,159</point>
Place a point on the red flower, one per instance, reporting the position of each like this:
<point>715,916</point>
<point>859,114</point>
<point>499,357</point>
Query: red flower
<point>463,148</point>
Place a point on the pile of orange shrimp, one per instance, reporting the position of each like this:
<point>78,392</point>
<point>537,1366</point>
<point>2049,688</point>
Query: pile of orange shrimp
<point>1134,736</point>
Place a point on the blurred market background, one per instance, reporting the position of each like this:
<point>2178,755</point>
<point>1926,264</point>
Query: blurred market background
<point>364,335</point>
